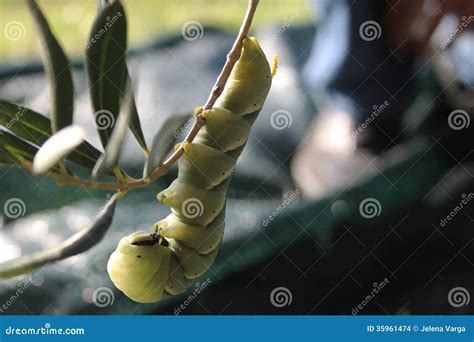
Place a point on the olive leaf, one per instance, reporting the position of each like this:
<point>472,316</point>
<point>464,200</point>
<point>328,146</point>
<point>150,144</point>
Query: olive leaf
<point>56,148</point>
<point>112,151</point>
<point>36,129</point>
<point>6,157</point>
<point>106,69</point>
<point>134,124</point>
<point>57,67</point>
<point>164,142</point>
<point>24,122</point>
<point>76,244</point>
<point>17,147</point>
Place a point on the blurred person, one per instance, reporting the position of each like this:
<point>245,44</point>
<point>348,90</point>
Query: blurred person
<point>361,73</point>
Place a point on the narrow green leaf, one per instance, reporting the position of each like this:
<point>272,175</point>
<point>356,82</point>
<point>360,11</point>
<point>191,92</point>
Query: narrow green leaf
<point>164,142</point>
<point>85,155</point>
<point>135,125</point>
<point>24,122</point>
<point>58,147</point>
<point>17,147</point>
<point>36,129</point>
<point>57,67</point>
<point>105,62</point>
<point>76,244</point>
<point>17,150</point>
<point>112,151</point>
<point>6,157</point>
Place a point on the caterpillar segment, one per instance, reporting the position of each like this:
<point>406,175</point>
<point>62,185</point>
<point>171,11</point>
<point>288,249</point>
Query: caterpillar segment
<point>147,267</point>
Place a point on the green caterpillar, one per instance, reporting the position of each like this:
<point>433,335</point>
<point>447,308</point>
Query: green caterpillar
<point>147,268</point>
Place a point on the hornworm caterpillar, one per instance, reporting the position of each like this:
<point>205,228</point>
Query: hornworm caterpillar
<point>147,267</point>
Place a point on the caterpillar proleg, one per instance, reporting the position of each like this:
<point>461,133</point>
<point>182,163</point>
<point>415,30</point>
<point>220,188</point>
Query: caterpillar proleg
<point>148,267</point>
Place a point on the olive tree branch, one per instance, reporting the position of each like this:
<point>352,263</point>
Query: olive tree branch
<point>232,58</point>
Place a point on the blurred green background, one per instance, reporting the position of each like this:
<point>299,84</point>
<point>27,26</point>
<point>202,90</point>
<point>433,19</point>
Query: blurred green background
<point>71,20</point>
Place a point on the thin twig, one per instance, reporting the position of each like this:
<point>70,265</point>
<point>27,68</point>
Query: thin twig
<point>232,58</point>
<point>233,55</point>
<point>65,178</point>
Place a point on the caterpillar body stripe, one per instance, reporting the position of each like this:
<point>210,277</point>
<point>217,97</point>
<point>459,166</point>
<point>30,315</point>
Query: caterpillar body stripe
<point>188,239</point>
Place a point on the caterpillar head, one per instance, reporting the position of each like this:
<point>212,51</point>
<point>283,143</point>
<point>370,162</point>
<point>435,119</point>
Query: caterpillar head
<point>249,82</point>
<point>139,267</point>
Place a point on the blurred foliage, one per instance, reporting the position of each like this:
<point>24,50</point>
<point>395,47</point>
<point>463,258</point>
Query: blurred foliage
<point>71,20</point>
